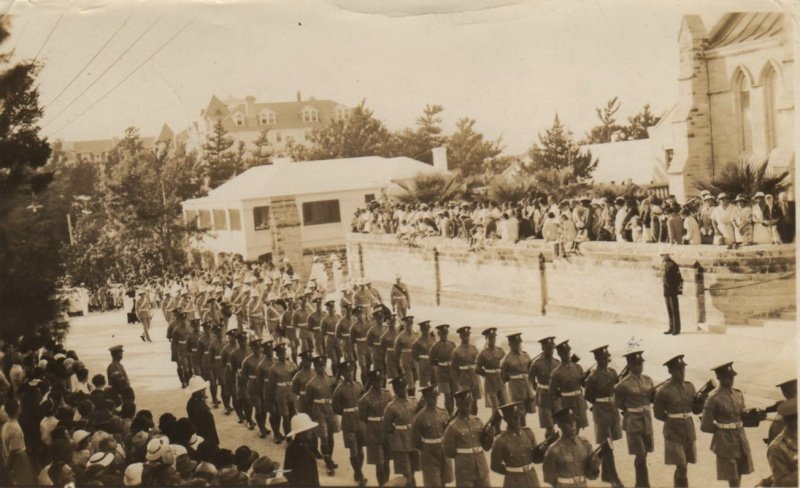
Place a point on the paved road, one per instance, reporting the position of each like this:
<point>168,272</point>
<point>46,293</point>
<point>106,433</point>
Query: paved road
<point>761,363</point>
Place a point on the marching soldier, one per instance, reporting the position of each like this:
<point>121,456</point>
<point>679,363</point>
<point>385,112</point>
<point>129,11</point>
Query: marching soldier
<point>387,345</point>
<point>441,354</point>
<point>214,364</point>
<point>514,372</point>
<point>256,313</point>
<point>427,430</point>
<point>397,420</point>
<point>421,350</point>
<point>228,373</point>
<point>253,386</point>
<point>675,402</point>
<point>313,340</point>
<point>722,417</point>
<point>487,365</point>
<point>288,328</point>
<point>565,385</point>
<point>570,461</point>
<point>600,393</point>
<point>195,356</point>
<point>240,393</point>
<point>358,337</point>
<point>633,395</point>
<point>345,403</point>
<point>512,452</point>
<point>267,392</point>
<point>327,331</point>
<point>789,391</point>
<point>319,399</point>
<point>462,365</point>
<point>462,441</point>
<point>782,452</point>
<point>274,314</point>
<point>539,376</point>
<point>301,379</point>
<point>280,377</point>
<point>342,334</point>
<point>203,345</point>
<point>238,304</point>
<point>401,300</point>
<point>374,334</point>
<point>370,411</point>
<point>403,350</point>
<point>300,323</point>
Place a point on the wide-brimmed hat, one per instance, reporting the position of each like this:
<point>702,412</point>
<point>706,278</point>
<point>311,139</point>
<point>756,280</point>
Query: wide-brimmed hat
<point>301,423</point>
<point>196,383</point>
<point>156,448</point>
<point>265,465</point>
<point>79,436</point>
<point>244,457</point>
<point>133,474</point>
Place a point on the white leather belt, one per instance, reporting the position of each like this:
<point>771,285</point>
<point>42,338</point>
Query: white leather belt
<point>400,427</point>
<point>431,441</point>
<point>637,409</point>
<point>345,335</point>
<point>302,392</point>
<point>729,426</point>
<point>571,393</point>
<point>331,333</point>
<point>284,383</point>
<point>518,377</point>
<point>468,450</point>
<point>604,400</point>
<point>350,409</point>
<point>575,480</point>
<point>390,349</point>
<point>374,419</point>
<point>543,387</point>
<point>405,350</point>
<point>361,339</point>
<point>322,401</point>
<point>684,415</point>
<point>444,364</point>
<point>423,356</point>
<point>466,367</point>
<point>251,376</point>
<point>521,469</point>
<point>491,371</point>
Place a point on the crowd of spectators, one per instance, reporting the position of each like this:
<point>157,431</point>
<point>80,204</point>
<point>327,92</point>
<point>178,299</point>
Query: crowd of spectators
<point>60,425</point>
<point>729,220</point>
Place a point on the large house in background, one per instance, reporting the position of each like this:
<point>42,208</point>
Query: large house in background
<point>735,99</point>
<point>96,151</point>
<point>245,120</point>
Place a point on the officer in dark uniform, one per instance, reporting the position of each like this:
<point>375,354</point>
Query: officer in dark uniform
<point>427,430</point>
<point>541,369</point>
<point>600,393</point>
<point>115,368</point>
<point>673,286</point>
<point>441,355</point>
<point>633,395</point>
<point>487,365</point>
<point>512,452</point>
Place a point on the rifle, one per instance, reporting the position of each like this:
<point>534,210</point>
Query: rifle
<point>595,459</point>
<point>655,388</point>
<point>752,417</point>
<point>541,449</point>
<point>701,396</point>
<point>587,373</point>
<point>622,374</point>
<point>490,429</point>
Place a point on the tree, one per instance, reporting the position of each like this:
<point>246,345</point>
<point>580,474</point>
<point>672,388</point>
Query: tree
<point>557,151</point>
<point>746,176</point>
<point>218,163</point>
<point>467,149</point>
<point>431,188</point>
<point>418,143</point>
<point>638,124</point>
<point>263,154</point>
<point>359,135</point>
<point>29,264</point>
<point>608,123</point>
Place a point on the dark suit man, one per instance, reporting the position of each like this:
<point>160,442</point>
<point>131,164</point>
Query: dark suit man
<point>673,286</point>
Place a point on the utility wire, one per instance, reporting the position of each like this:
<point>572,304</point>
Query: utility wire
<point>80,71</point>
<point>72,102</point>
<point>38,53</point>
<point>123,80</point>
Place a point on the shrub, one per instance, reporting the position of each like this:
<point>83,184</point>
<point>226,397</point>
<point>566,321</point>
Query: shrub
<point>746,176</point>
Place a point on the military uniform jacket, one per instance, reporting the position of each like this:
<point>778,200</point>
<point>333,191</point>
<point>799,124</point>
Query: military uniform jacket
<point>274,314</point>
<point>374,340</point>
<point>299,382</point>
<point>428,428</point>
<point>565,390</point>
<point>403,349</point>
<point>420,351</point>
<point>488,366</point>
<point>565,462</point>
<point>387,344</point>
<point>315,320</point>
<point>632,395</point>
<point>203,349</point>
<point>237,357</point>
<point>371,407</point>
<point>345,403</point>
<point>539,375</point>
<point>363,297</point>
<point>328,331</point>
<point>397,419</point>
<point>249,366</point>
<point>463,362</point>
<point>225,357</point>
<point>515,451</point>
<point>673,406</point>
<point>191,342</point>
<point>319,397</point>
<point>782,457</point>
<point>600,393</point>
<point>342,333</point>
<point>281,380</point>
<point>215,354</point>
<point>179,338</point>
<point>722,416</point>
<point>262,377</point>
<point>514,369</point>
<point>117,368</point>
<point>441,355</point>
<point>462,441</point>
<point>358,337</point>
<point>300,318</point>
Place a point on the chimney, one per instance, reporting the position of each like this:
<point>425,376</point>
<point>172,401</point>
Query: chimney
<point>250,104</point>
<point>440,158</point>
<point>299,98</point>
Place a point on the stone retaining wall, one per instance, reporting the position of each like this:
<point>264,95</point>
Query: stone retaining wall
<point>609,280</point>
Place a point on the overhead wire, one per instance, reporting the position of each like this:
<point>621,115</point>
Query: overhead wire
<point>101,75</point>
<point>46,40</point>
<point>123,80</point>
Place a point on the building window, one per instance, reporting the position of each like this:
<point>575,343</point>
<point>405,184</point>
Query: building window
<point>322,212</point>
<point>668,153</point>
<point>369,198</point>
<point>772,93</point>
<point>189,216</point>
<point>741,93</point>
<point>238,119</point>
<point>235,219</point>
<point>267,117</point>
<point>220,222</point>
<point>310,115</point>
<point>342,113</point>
<point>261,217</point>
<point>203,219</point>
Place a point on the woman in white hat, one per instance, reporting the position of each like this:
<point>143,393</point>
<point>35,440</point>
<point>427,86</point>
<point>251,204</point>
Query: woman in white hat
<point>198,412</point>
<point>300,465</point>
<point>761,234</point>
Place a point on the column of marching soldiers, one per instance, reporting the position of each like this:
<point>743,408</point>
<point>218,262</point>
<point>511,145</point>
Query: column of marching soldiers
<point>254,373</point>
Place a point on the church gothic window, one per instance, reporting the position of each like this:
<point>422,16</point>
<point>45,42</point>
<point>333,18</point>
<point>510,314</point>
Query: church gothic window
<point>741,92</point>
<point>772,93</point>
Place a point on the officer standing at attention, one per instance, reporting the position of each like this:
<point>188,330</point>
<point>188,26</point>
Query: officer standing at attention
<point>441,353</point>
<point>512,453</point>
<point>570,461</point>
<point>565,385</point>
<point>462,441</point>
<point>722,417</point>
<point>427,430</point>
<point>514,373</point>
<point>633,395</point>
<point>539,376</point>
<point>116,367</point>
<point>676,401</point>
<point>600,393</point>
<point>488,366</point>
<point>421,350</point>
<point>673,286</point>
<point>462,364</point>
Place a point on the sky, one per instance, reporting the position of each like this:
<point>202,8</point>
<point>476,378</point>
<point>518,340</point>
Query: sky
<point>509,64</point>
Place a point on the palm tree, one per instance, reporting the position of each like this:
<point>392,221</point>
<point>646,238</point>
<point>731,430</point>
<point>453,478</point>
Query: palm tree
<point>503,189</point>
<point>431,188</point>
<point>746,176</point>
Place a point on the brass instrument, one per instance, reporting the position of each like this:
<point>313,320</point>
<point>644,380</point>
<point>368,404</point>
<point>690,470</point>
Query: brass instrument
<point>575,358</point>
<point>541,448</point>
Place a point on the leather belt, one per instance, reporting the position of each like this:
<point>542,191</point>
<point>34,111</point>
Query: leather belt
<point>609,399</point>
<point>251,376</point>
<point>331,333</point>
<point>400,427</point>
<point>444,364</point>
<point>322,401</point>
<point>520,469</point>
<point>518,377</point>
<point>682,415</point>
<point>350,409</point>
<point>284,383</point>
<point>361,339</point>
<point>181,342</point>
<point>637,409</point>
<point>405,350</point>
<point>468,450</point>
<point>575,480</point>
<point>345,335</point>
<point>543,387</point>
<point>390,349</point>
<point>374,419</point>
<point>424,356</point>
<point>206,353</point>
<point>491,371</point>
<point>728,426</point>
<point>571,393</point>
<point>431,441</point>
<point>466,367</point>
<point>217,357</point>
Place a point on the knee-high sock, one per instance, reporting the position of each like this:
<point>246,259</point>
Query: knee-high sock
<point>642,476</point>
<point>609,468</point>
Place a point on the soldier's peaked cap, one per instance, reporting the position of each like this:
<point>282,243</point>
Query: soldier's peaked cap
<point>516,336</point>
<point>491,331</point>
<point>398,381</point>
<point>509,407</point>
<point>676,361</point>
<point>547,340</point>
<point>563,345</point>
<point>424,323</point>
<point>634,357</point>
<point>307,354</point>
<point>443,327</point>
<point>464,330</point>
<point>409,319</point>
<point>330,302</point>
<point>787,383</point>
<point>563,414</point>
<point>117,348</point>
<point>724,369</point>
<point>600,351</point>
<point>462,393</point>
<point>428,388</point>
<point>318,358</point>
<point>346,364</point>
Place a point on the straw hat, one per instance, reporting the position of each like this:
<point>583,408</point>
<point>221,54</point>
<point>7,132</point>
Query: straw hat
<point>301,423</point>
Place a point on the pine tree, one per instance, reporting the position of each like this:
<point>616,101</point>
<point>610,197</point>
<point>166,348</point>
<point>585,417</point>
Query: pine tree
<point>468,150</point>
<point>417,143</point>
<point>218,161</point>
<point>557,151</point>
<point>608,123</point>
<point>263,154</point>
<point>639,123</point>
<point>359,135</point>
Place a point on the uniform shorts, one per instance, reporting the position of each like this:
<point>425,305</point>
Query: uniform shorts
<point>679,453</point>
<point>354,439</point>
<point>639,443</point>
<point>327,426</point>
<point>493,398</point>
<point>405,462</point>
<point>377,453</point>
<point>731,468</point>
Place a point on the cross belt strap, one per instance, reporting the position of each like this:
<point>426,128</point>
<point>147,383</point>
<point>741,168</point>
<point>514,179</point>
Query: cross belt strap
<point>520,469</point>
<point>728,426</point>
<point>468,450</point>
<point>431,441</point>
<point>682,415</point>
<point>609,399</point>
<point>575,480</point>
<point>374,419</point>
<point>571,393</point>
<point>350,409</point>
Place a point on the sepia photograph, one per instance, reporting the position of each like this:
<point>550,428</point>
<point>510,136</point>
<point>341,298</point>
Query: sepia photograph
<point>410,243</point>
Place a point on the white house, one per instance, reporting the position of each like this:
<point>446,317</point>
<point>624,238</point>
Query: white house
<point>290,207</point>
